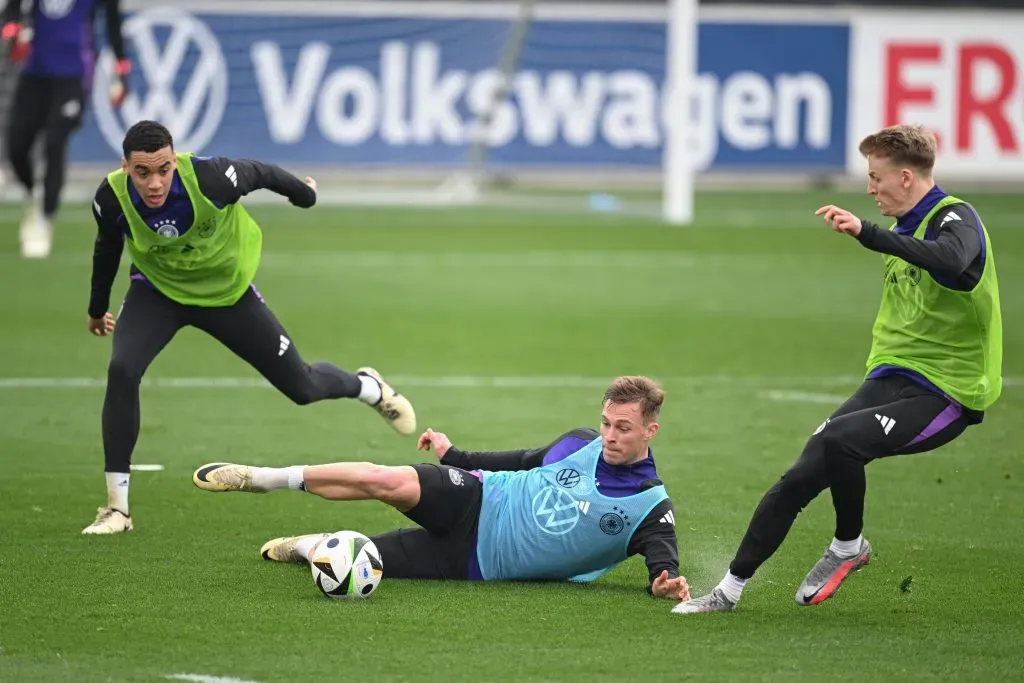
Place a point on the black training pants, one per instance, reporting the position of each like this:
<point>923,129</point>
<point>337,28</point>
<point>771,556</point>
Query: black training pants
<point>148,320</point>
<point>892,415</point>
<point>51,106</point>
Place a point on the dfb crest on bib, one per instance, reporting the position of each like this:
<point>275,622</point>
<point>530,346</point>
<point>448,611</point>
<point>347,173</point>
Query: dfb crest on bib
<point>56,9</point>
<point>167,228</point>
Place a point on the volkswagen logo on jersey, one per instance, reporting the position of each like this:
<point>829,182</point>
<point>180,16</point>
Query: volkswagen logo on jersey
<point>555,511</point>
<point>571,479</point>
<point>181,79</point>
<point>567,477</point>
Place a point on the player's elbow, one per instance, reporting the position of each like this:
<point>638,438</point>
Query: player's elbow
<point>954,258</point>
<point>304,200</point>
<point>950,271</point>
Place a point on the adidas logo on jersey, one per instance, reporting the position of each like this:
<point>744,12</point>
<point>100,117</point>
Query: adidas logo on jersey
<point>232,175</point>
<point>285,343</point>
<point>887,422</point>
<point>951,216</point>
<point>668,518</point>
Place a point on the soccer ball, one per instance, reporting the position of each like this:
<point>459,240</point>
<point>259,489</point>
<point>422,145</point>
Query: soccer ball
<point>346,564</point>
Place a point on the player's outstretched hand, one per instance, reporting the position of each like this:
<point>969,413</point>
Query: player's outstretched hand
<point>664,587</point>
<point>101,327</point>
<point>840,220</point>
<point>439,440</point>
<point>311,183</point>
<point>19,39</point>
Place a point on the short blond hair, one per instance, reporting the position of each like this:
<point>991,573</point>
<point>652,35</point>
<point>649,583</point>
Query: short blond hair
<point>637,389</point>
<point>904,145</point>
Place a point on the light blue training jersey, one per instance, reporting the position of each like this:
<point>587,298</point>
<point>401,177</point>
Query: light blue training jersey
<point>552,522</point>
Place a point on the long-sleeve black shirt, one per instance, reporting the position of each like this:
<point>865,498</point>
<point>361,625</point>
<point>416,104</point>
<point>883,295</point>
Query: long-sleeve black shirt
<point>222,180</point>
<point>655,537</point>
<point>951,251</point>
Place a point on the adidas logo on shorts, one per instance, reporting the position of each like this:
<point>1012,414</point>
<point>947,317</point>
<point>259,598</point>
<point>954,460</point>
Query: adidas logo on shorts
<point>887,422</point>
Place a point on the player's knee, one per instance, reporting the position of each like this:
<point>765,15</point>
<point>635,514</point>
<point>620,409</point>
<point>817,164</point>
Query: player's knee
<point>800,485</point>
<point>121,371</point>
<point>54,148</point>
<point>303,392</point>
<point>19,147</point>
<point>391,485</point>
<point>301,396</point>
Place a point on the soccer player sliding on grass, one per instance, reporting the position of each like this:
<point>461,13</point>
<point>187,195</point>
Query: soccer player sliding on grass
<point>934,367</point>
<point>568,511</point>
<point>194,251</point>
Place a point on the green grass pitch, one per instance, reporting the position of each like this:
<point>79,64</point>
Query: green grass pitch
<point>503,328</point>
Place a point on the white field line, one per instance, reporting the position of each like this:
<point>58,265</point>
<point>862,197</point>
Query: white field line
<point>442,260</point>
<point>804,397</point>
<point>772,386</point>
<point>560,260</point>
<point>203,678</point>
<point>443,382</point>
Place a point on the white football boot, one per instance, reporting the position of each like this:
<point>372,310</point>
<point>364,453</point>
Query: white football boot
<point>220,477</point>
<point>715,601</point>
<point>36,233</point>
<point>284,549</point>
<point>392,406</point>
<point>109,521</point>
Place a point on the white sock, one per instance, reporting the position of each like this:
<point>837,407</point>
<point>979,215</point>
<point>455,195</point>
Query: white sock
<point>117,491</point>
<point>732,587</point>
<point>303,547</point>
<point>274,478</point>
<point>370,393</point>
<point>846,548</point>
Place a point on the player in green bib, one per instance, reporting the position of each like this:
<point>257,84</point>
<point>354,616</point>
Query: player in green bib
<point>934,368</point>
<point>194,251</point>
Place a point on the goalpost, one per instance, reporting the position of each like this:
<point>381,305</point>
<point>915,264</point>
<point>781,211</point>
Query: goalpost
<point>677,167</point>
<point>465,185</point>
<point>470,184</point>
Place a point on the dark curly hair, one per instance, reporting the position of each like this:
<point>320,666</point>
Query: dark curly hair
<point>146,136</point>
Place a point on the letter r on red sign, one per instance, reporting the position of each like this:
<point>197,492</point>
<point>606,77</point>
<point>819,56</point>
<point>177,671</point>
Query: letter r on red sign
<point>992,107</point>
